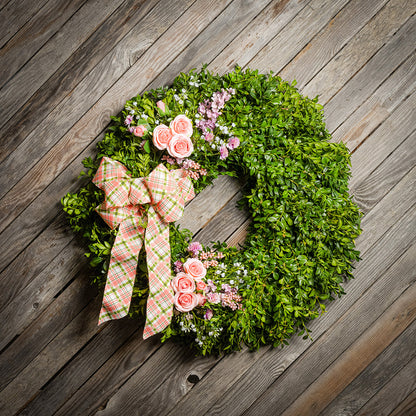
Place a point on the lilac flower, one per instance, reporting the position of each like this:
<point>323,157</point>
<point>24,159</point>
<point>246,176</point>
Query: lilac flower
<point>226,288</point>
<point>233,143</point>
<point>208,314</point>
<point>211,286</point>
<point>213,297</point>
<point>128,120</point>
<point>195,247</point>
<point>223,152</point>
<point>209,137</point>
<point>178,266</point>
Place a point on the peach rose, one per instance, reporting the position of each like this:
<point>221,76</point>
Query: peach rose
<point>185,302</point>
<point>201,299</point>
<point>139,130</point>
<point>183,283</point>
<point>161,105</point>
<point>181,125</point>
<point>180,146</point>
<point>161,136</point>
<point>200,285</point>
<point>195,268</point>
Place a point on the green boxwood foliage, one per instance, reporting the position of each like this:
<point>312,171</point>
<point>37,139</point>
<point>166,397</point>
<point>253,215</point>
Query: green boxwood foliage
<point>301,242</point>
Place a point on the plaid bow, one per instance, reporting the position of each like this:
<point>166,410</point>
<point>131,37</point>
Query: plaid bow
<point>166,192</point>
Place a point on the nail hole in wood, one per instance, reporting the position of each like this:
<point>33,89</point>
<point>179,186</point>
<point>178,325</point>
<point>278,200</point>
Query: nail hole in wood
<point>193,378</point>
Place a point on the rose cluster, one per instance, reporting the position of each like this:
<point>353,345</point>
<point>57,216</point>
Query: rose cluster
<point>176,138</point>
<point>189,287</point>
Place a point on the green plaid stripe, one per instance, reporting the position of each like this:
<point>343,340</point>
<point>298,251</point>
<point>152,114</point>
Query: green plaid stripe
<point>167,192</point>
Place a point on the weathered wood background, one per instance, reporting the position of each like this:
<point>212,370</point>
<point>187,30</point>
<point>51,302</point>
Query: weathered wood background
<point>66,66</point>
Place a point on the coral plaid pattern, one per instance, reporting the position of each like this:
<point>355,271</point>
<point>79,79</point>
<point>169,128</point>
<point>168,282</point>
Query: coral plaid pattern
<point>166,192</point>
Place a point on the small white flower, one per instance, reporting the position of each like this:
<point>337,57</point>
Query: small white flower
<point>134,102</point>
<point>145,116</point>
<point>231,282</point>
<point>232,124</point>
<point>176,97</point>
<point>180,101</point>
<point>132,112</point>
<point>210,333</point>
<point>222,274</point>
<point>183,90</point>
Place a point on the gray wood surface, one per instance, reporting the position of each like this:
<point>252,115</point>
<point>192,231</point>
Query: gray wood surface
<point>66,67</point>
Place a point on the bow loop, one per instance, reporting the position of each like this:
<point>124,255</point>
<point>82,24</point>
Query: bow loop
<point>166,192</point>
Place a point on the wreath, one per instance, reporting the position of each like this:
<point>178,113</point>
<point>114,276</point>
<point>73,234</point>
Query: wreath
<point>170,143</point>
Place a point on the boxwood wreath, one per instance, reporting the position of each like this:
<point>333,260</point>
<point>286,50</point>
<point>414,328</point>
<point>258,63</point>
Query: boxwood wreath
<point>301,241</point>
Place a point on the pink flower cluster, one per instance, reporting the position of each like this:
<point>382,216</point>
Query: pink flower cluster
<point>227,296</point>
<point>189,287</point>
<point>176,138</point>
<point>211,110</point>
<point>193,169</point>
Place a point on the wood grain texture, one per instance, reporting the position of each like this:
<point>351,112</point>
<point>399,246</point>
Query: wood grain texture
<point>280,51</point>
<point>53,54</point>
<point>366,118</point>
<point>359,50</point>
<point>30,39</point>
<point>373,188</point>
<point>407,407</point>
<point>330,40</point>
<point>401,381</point>
<point>213,39</point>
<point>14,15</point>
<point>368,78</point>
<point>257,34</point>
<point>113,35</point>
<point>383,141</point>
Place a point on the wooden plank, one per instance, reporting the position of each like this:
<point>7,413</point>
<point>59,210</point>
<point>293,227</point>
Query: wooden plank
<point>51,359</point>
<point>373,188</point>
<point>40,292</point>
<point>14,16</point>
<point>53,320</point>
<point>330,40</point>
<point>359,50</point>
<point>257,34</point>
<point>223,225</point>
<point>53,54</point>
<point>352,362</point>
<point>380,105</point>
<point>30,39</point>
<point>108,36</point>
<point>356,91</point>
<point>228,35</point>
<point>385,369</point>
<point>383,141</point>
<point>296,35</point>
<point>407,407</point>
<point>208,203</point>
<point>95,353</point>
<point>137,77</point>
<point>34,259</point>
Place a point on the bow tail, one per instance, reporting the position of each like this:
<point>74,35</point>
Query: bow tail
<point>160,300</point>
<point>122,271</point>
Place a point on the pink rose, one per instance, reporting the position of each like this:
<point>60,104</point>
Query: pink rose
<point>161,105</point>
<point>139,130</point>
<point>183,283</point>
<point>201,299</point>
<point>185,302</point>
<point>200,285</point>
<point>195,268</point>
<point>181,125</point>
<point>180,146</point>
<point>161,136</point>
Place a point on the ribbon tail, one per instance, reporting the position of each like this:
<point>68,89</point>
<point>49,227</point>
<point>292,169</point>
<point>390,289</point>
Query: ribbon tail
<point>122,271</point>
<point>160,300</point>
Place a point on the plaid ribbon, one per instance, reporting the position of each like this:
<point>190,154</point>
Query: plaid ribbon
<point>166,193</point>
